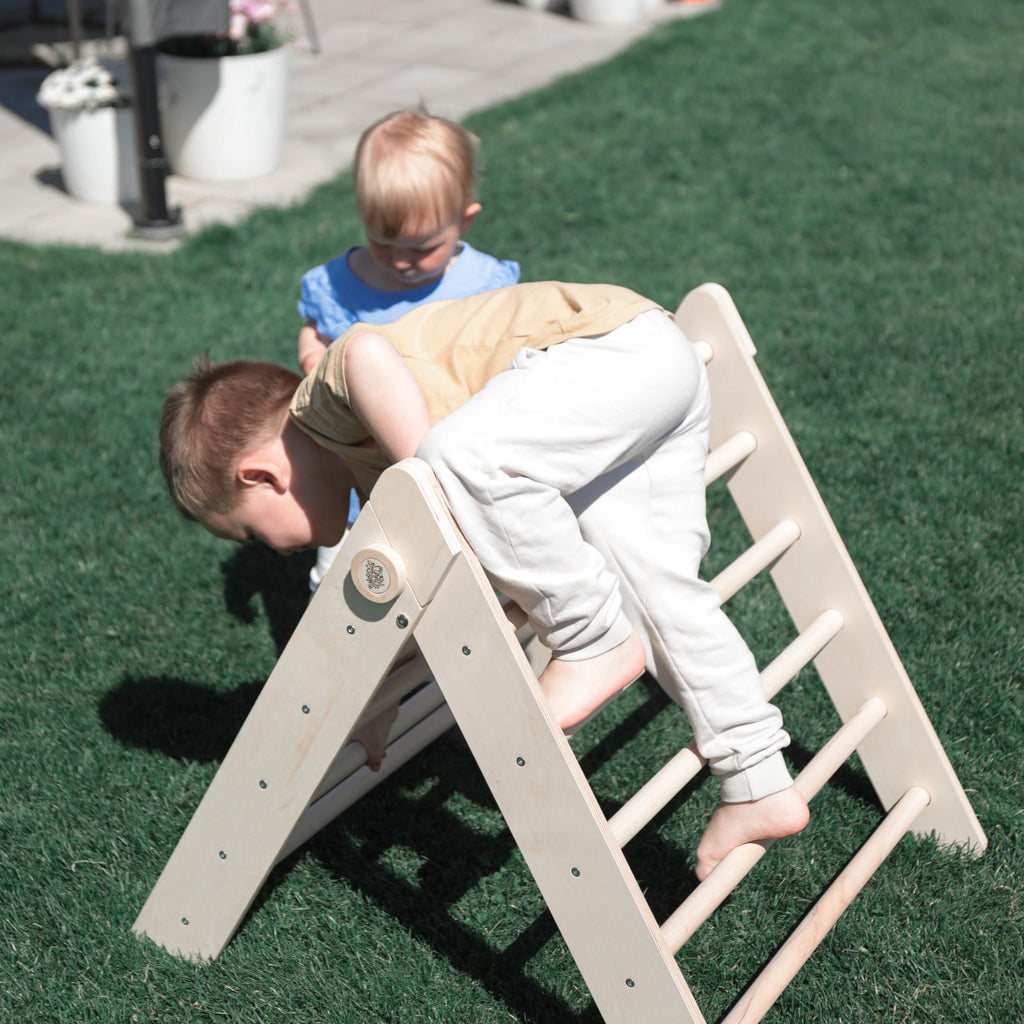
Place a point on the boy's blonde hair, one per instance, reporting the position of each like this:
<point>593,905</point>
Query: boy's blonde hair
<point>414,172</point>
<point>210,421</point>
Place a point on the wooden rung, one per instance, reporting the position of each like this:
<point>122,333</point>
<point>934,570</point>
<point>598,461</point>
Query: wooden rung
<point>774,484</point>
<point>655,794</point>
<point>421,719</point>
<point>729,455</point>
<point>840,746</point>
<point>709,895</point>
<point>801,652</point>
<point>794,952</point>
<point>361,781</point>
<point>757,557</point>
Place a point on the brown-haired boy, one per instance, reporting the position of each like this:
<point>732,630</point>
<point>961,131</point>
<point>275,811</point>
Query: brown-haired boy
<point>567,425</point>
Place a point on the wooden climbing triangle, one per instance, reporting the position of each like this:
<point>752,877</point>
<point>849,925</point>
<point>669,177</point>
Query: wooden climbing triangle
<point>407,613</point>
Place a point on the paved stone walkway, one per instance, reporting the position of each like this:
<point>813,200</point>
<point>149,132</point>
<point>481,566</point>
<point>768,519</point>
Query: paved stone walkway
<point>374,56</point>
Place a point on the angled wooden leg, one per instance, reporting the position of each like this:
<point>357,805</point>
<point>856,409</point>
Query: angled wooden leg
<point>772,489</point>
<point>325,679</point>
<point>549,807</point>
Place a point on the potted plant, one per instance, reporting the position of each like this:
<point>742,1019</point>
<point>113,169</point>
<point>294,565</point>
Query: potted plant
<point>90,118</point>
<point>223,97</point>
<point>608,12</point>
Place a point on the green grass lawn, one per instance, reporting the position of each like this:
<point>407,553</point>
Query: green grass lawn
<point>851,173</point>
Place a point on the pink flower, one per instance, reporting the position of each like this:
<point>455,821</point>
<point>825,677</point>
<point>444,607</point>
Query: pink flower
<point>247,15</point>
<point>237,24</point>
<point>253,11</point>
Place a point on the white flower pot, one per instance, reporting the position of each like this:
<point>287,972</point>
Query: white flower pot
<point>97,153</point>
<point>608,12</point>
<point>222,118</point>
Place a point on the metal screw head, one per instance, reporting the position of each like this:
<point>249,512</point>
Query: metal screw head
<point>401,622</point>
<point>222,855</point>
<point>350,630</point>
<point>305,709</point>
<point>630,983</point>
<point>575,872</point>
<point>466,651</point>
<point>263,783</point>
<point>520,761</point>
<point>184,920</point>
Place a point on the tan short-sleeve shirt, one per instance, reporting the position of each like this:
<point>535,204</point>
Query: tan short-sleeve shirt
<point>452,348</point>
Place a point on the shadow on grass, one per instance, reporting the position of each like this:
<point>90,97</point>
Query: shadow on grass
<point>188,720</point>
<point>282,584</point>
<point>413,810</point>
<point>454,860</point>
<point>183,720</point>
<point>194,721</point>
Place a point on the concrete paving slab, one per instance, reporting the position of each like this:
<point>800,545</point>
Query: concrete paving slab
<point>455,56</point>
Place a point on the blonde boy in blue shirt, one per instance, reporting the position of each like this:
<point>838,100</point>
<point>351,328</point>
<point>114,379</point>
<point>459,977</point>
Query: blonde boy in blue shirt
<point>415,182</point>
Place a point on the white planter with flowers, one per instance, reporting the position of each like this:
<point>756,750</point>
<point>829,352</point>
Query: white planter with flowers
<point>91,121</point>
<point>608,12</point>
<point>224,99</point>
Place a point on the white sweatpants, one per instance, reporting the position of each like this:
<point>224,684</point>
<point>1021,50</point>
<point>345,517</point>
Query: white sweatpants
<point>577,476</point>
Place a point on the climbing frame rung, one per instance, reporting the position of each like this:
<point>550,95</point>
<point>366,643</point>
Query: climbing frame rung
<point>708,896</point>
<point>409,672</point>
<point>728,455</point>
<point>648,801</point>
<point>422,719</point>
<point>794,952</point>
<point>411,711</point>
<point>839,747</point>
<point>758,557</point>
<point>799,653</point>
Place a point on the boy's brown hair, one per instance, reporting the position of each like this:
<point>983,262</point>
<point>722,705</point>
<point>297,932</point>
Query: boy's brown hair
<point>414,172</point>
<point>210,420</point>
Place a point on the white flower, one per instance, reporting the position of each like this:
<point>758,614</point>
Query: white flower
<point>84,85</point>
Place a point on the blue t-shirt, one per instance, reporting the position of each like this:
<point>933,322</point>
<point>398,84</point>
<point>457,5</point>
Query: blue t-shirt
<point>335,299</point>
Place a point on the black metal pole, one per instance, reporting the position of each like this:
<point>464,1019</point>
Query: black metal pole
<point>152,217</point>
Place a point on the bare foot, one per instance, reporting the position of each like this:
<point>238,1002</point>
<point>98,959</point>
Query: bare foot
<point>575,689</point>
<point>373,735</point>
<point>772,817</point>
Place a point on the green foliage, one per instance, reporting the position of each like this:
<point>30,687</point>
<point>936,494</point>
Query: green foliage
<point>254,26</point>
<point>257,39</point>
<point>850,173</point>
